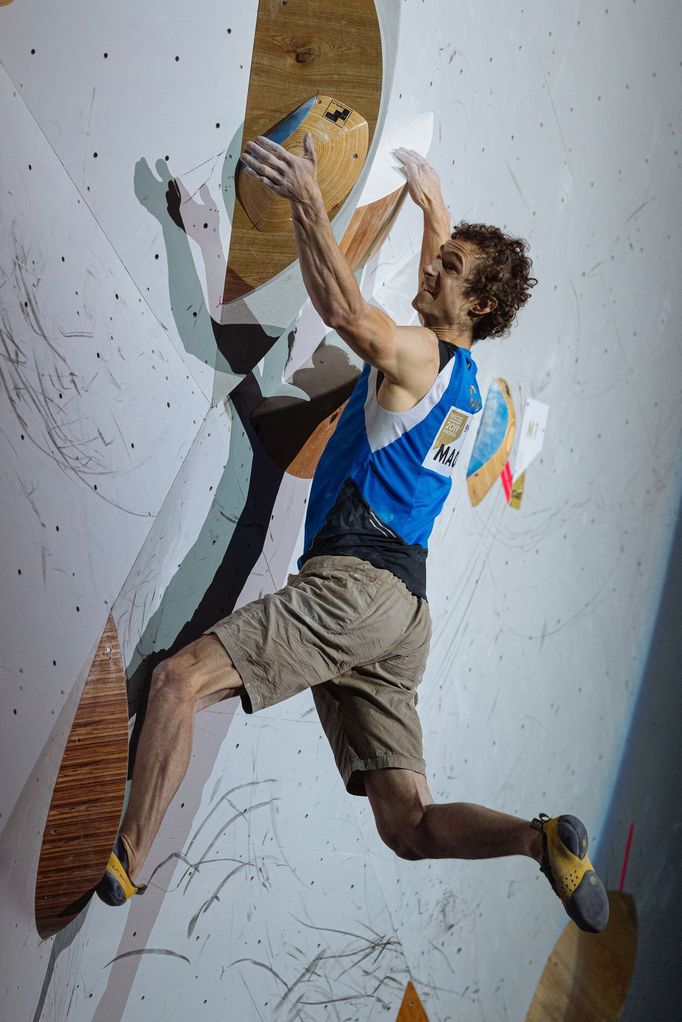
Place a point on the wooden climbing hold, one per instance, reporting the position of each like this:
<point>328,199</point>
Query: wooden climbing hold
<point>588,975</point>
<point>340,136</point>
<point>493,442</point>
<point>301,50</point>
<point>83,818</point>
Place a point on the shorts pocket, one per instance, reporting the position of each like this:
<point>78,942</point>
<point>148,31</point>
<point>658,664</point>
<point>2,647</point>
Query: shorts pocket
<point>337,600</point>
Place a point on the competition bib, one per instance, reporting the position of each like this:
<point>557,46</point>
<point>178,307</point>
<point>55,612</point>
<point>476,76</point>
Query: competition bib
<point>444,452</point>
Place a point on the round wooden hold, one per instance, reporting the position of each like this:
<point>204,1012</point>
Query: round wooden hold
<point>341,138</point>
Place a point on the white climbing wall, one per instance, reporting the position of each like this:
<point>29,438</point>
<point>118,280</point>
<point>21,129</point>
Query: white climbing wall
<point>126,475</point>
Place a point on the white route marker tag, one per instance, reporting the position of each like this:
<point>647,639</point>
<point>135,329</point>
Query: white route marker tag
<point>532,434</point>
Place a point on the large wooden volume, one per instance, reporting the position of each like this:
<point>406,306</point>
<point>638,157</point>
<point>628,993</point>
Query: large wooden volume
<point>85,811</point>
<point>302,48</point>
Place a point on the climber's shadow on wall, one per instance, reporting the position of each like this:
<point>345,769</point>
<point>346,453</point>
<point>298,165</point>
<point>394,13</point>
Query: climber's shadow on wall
<point>274,430</point>
<point>234,347</point>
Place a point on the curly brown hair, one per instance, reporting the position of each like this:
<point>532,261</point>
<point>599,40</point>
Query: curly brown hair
<point>502,272</point>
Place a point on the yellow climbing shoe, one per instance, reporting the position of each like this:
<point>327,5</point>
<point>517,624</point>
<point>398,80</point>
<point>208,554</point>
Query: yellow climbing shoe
<point>116,887</point>
<point>566,865</point>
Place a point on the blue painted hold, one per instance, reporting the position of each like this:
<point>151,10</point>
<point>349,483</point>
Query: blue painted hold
<point>491,431</point>
<point>286,127</point>
<point>281,131</point>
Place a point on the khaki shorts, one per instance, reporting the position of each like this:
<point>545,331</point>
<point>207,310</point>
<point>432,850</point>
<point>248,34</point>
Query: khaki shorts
<point>358,638</point>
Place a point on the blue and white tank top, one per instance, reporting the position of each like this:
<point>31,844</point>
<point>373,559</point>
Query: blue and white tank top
<point>384,476</point>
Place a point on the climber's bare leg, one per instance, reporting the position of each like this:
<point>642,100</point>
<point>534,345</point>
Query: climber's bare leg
<point>199,675</point>
<point>415,827</point>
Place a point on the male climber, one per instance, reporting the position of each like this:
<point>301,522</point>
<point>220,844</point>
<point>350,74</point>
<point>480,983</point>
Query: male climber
<point>353,625</point>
